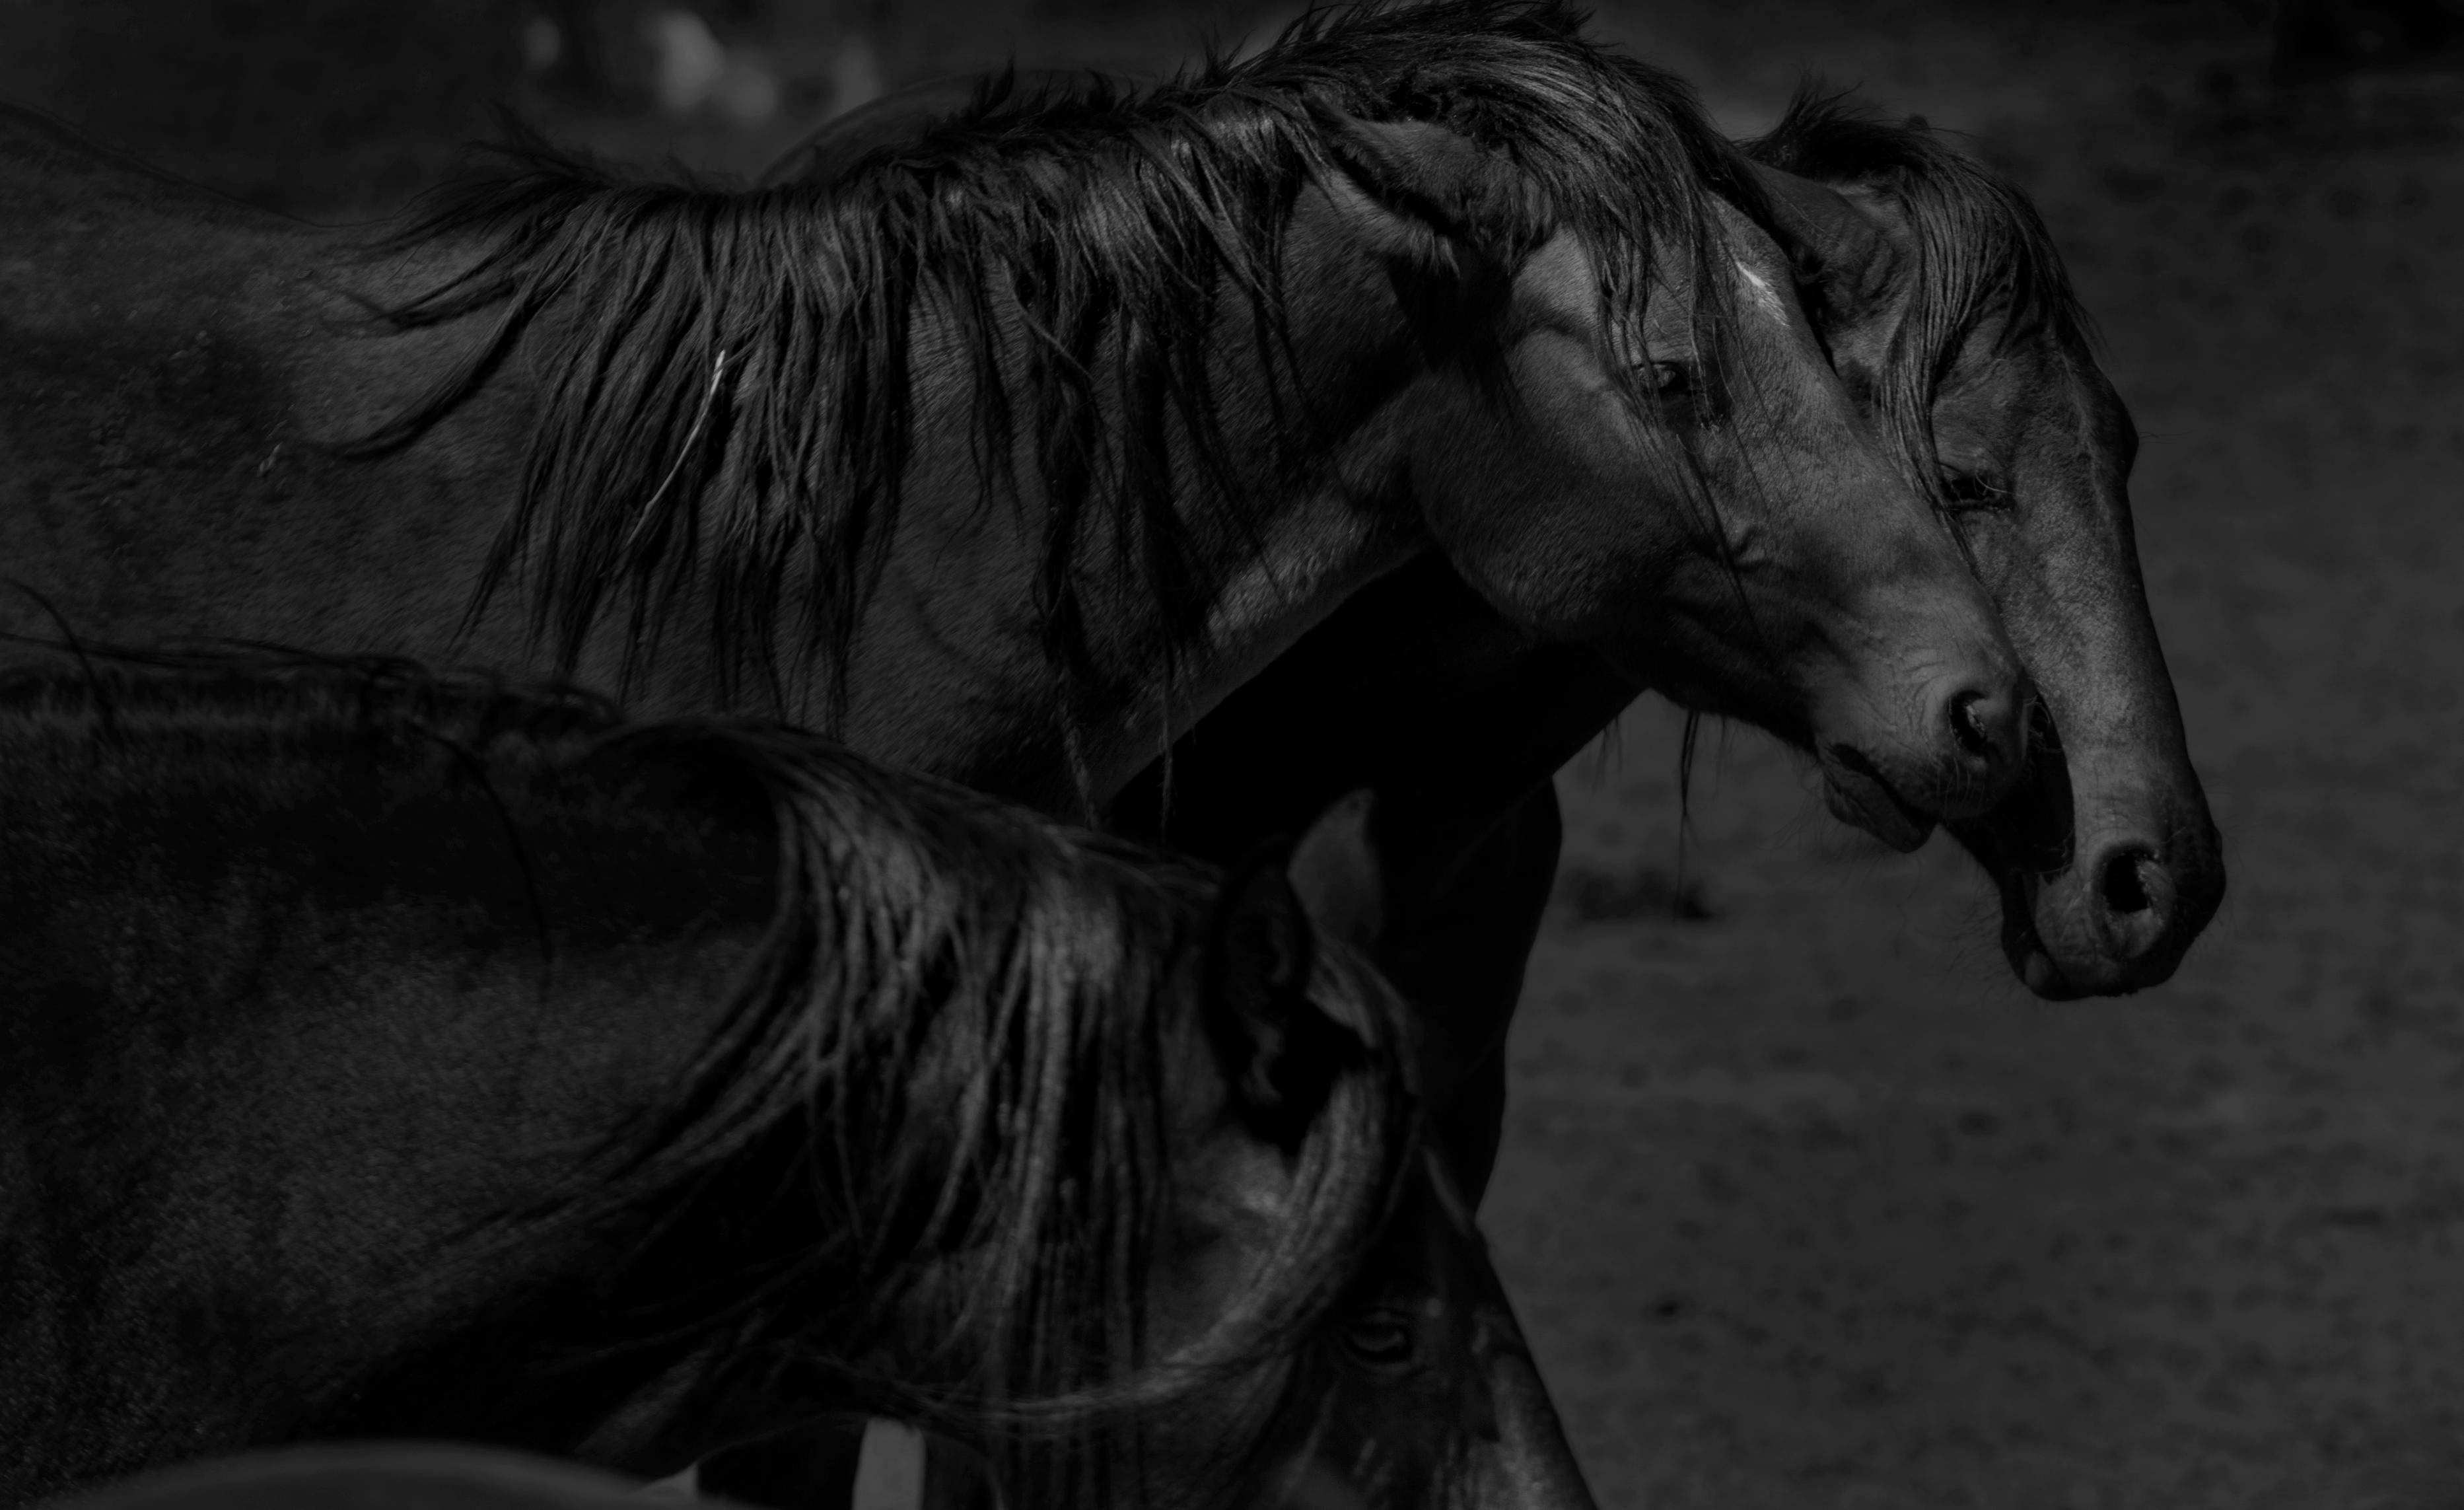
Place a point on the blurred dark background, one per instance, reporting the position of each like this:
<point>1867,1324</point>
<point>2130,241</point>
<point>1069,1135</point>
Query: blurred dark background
<point>1807,1204</point>
<point>346,107</point>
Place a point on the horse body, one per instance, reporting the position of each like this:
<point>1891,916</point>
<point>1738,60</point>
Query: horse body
<point>189,472</point>
<point>1009,455</point>
<point>192,452</point>
<point>394,1057</point>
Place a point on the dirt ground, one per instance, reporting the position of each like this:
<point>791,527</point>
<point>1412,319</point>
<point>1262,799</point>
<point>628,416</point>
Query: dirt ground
<point>1812,1205</point>
<point>1808,1205</point>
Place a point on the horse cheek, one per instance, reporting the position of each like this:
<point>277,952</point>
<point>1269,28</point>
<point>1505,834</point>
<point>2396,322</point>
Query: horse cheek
<point>1483,480</point>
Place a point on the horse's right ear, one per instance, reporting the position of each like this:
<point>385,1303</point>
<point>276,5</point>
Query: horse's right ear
<point>1334,873</point>
<point>1430,201</point>
<point>1280,1051</point>
<point>1841,239</point>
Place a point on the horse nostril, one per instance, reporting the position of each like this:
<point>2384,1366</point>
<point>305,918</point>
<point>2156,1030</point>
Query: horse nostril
<point>1968,727</point>
<point>2126,882</point>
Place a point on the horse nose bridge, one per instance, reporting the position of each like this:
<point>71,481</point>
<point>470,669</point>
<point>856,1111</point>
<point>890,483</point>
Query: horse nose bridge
<point>1911,649</point>
<point>1877,544</point>
<point>1943,607</point>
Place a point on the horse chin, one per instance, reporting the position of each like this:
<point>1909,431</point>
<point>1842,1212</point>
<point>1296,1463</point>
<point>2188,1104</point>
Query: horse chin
<point>1859,796</point>
<point>2050,934</point>
<point>2038,971</point>
<point>2030,959</point>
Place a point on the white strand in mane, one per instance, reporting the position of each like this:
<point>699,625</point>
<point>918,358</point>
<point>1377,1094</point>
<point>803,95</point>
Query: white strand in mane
<point>1766,297</point>
<point>651,506</point>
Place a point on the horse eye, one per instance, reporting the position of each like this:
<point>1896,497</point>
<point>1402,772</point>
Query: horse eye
<point>1672,379</point>
<point>1966,492</point>
<point>1381,1342</point>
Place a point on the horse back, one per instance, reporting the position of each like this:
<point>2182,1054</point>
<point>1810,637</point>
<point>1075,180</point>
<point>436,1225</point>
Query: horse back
<point>31,141</point>
<point>272,1064</point>
<point>77,218</point>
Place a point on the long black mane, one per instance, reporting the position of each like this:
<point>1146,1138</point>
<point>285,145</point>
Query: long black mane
<point>1981,250</point>
<point>957,1021</point>
<point>725,414</point>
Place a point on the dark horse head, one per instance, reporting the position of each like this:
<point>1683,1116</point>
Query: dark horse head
<point>1422,1391</point>
<point>393,1056</point>
<point>1443,276</point>
<point>1946,305</point>
<point>1415,1390</point>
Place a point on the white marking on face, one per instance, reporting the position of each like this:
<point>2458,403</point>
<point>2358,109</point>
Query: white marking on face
<point>1766,297</point>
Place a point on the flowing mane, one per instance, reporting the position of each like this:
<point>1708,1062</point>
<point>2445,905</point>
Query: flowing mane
<point>726,407</point>
<point>1981,250</point>
<point>952,1036</point>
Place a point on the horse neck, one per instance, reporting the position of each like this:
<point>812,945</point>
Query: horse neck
<point>1414,687</point>
<point>1277,545</point>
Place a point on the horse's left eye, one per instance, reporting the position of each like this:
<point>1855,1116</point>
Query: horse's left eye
<point>1966,492</point>
<point>1672,379</point>
<point>1381,1341</point>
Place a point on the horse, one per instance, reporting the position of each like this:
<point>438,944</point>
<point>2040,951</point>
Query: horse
<point>1938,292</point>
<point>387,1053</point>
<point>1008,456</point>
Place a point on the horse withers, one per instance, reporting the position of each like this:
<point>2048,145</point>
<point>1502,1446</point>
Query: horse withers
<point>397,1055</point>
<point>1008,455</point>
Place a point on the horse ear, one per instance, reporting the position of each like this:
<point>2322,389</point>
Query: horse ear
<point>1335,874</point>
<point>1433,202</point>
<point>1841,239</point>
<point>1278,1051</point>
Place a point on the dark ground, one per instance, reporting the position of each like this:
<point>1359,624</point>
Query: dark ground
<point>1808,1204</point>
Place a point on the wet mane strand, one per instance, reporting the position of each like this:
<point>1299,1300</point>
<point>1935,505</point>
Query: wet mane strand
<point>956,1024</point>
<point>724,411</point>
<point>1981,250</point>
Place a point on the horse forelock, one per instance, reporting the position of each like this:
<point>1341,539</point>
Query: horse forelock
<point>1981,250</point>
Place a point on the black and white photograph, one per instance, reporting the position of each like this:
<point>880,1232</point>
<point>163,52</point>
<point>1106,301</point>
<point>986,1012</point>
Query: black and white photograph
<point>1231,754</point>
